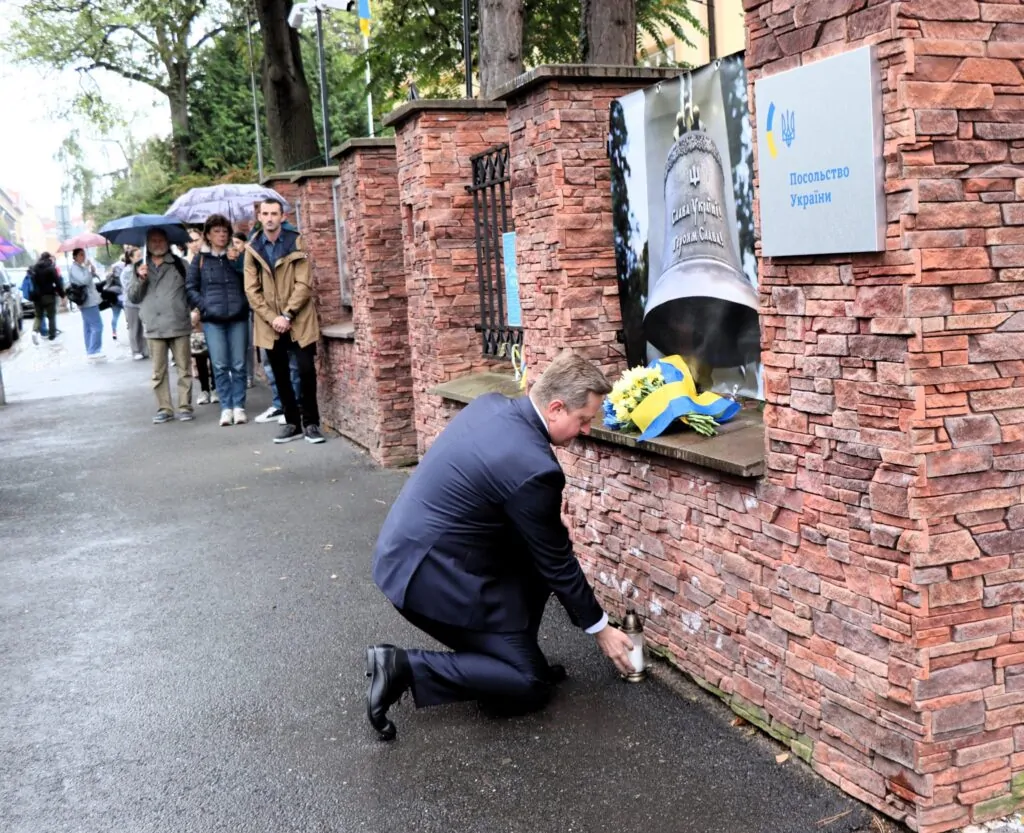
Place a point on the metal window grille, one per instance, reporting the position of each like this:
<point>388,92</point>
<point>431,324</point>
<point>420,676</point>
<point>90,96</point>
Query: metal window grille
<point>341,245</point>
<point>491,192</point>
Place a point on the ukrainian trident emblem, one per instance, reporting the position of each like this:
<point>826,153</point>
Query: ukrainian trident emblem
<point>789,128</point>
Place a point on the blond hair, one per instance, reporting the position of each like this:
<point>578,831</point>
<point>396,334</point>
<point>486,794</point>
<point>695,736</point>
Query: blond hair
<point>571,379</point>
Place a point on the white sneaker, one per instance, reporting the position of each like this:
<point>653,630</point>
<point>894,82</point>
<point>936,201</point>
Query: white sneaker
<point>203,398</point>
<point>240,417</point>
<point>226,417</point>
<point>214,397</point>
<point>137,357</point>
<point>35,337</point>
<point>281,420</point>
<point>268,415</point>
<point>97,357</point>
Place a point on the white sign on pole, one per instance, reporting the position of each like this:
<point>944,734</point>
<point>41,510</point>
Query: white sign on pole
<point>820,166</point>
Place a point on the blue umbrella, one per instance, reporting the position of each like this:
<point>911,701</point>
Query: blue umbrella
<point>132,230</point>
<point>234,201</point>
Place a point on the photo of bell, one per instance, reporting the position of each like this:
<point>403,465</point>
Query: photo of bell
<point>701,306</point>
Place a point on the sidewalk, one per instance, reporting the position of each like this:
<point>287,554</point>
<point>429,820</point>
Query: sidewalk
<point>183,614</point>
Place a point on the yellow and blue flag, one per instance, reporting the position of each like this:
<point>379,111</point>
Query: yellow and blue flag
<point>677,399</point>
<point>364,17</point>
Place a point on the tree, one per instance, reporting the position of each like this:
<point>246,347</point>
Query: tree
<point>148,41</point>
<point>501,43</point>
<point>285,90</point>
<point>608,31</point>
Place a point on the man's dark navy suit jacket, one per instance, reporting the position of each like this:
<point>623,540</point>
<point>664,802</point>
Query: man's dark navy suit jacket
<point>477,531</point>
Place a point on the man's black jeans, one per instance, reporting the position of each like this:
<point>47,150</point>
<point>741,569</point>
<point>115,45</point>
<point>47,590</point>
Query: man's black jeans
<point>309,413</point>
<point>46,313</point>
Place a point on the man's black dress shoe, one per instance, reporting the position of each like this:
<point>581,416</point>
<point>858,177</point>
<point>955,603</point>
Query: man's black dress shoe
<point>390,675</point>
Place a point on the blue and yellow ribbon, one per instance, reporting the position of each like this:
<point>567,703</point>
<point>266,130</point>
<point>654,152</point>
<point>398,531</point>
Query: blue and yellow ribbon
<point>519,365</point>
<point>677,399</point>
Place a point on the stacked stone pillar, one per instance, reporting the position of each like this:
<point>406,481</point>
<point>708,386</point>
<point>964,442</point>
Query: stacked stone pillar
<point>435,141</point>
<point>367,386</point>
<point>894,423</point>
<point>562,208</point>
<point>315,219</point>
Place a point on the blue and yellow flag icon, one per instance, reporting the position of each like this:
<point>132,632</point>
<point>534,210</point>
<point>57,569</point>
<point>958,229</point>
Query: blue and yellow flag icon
<point>364,17</point>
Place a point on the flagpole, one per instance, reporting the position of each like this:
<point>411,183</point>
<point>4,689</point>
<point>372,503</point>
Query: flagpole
<point>369,94</point>
<point>364,27</point>
<point>252,86</point>
<point>324,117</point>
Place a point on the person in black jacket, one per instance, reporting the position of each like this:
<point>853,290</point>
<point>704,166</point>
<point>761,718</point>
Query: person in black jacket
<point>475,545</point>
<point>216,289</point>
<point>46,288</point>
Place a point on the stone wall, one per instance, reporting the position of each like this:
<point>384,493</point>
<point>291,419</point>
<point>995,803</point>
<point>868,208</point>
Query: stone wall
<point>890,419</point>
<point>862,601</point>
<point>434,142</point>
<point>367,392</point>
<point>316,221</point>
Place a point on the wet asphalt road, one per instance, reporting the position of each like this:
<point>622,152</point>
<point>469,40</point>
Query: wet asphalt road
<point>183,615</point>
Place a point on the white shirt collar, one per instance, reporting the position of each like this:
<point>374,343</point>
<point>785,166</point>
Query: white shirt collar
<point>543,421</point>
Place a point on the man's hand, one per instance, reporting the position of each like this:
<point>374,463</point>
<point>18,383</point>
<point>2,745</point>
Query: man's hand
<point>281,324</point>
<point>616,646</point>
<point>195,317</point>
<point>142,272</point>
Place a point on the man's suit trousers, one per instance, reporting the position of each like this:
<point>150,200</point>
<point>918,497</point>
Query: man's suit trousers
<point>505,671</point>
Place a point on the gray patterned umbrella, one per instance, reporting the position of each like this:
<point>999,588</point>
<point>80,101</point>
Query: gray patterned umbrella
<point>233,201</point>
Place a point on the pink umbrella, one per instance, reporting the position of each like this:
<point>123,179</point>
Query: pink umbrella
<point>88,240</point>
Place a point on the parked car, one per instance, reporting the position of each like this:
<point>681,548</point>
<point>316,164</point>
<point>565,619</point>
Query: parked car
<point>10,310</point>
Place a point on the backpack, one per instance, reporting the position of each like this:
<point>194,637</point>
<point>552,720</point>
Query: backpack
<point>28,286</point>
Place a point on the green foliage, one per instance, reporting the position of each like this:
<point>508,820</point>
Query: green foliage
<point>137,39</point>
<point>220,105</point>
<point>345,65</point>
<point>656,17</point>
<point>147,41</point>
<point>79,179</point>
<point>418,42</point>
<point>149,184</point>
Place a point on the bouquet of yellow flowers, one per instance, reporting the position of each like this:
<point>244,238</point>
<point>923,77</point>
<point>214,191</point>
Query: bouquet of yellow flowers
<point>649,399</point>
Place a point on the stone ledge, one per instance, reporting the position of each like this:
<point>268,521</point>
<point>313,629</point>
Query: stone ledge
<point>275,176</point>
<point>298,176</point>
<point>400,115</point>
<point>345,331</point>
<point>738,448</point>
<point>467,388</point>
<point>352,145</point>
<point>584,73</point>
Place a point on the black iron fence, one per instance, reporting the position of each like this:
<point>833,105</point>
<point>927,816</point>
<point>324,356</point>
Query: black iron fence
<point>491,190</point>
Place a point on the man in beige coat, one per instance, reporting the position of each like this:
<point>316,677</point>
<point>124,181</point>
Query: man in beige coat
<point>279,288</point>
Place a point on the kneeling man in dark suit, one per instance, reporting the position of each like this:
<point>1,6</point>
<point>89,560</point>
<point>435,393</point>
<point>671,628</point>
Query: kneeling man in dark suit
<point>475,545</point>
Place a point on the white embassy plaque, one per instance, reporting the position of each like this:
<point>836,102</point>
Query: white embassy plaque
<point>820,166</point>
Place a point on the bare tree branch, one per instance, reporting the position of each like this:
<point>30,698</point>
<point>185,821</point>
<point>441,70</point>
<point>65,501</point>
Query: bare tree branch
<point>126,73</point>
<point>209,35</point>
